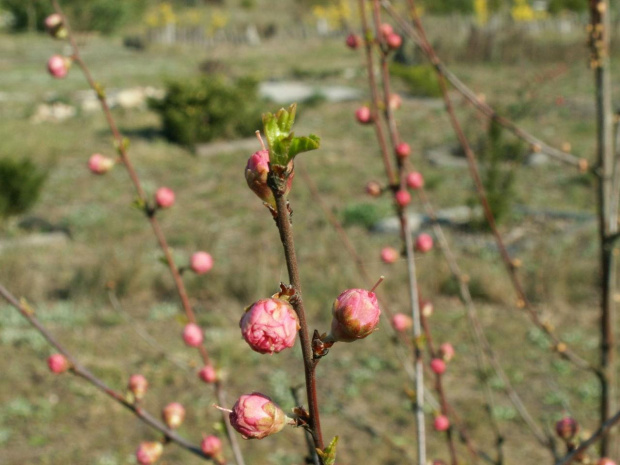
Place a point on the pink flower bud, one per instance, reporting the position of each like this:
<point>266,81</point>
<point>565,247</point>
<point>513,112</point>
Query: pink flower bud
<point>567,428</point>
<point>401,322</point>
<point>389,255</point>
<point>201,262</point>
<point>373,188</point>
<point>355,315</point>
<point>394,41</point>
<point>269,325</point>
<point>256,416</point>
<point>149,452</point>
<point>164,196</point>
<point>424,243</point>
<point>403,197</point>
<point>353,41</point>
<point>441,423</point>
<point>173,415</point>
<point>58,66</point>
<point>211,446</point>
<point>208,374</point>
<point>192,335</point>
<point>55,27</point>
<point>98,164</point>
<point>438,366</point>
<point>137,386</point>
<point>363,116</point>
<point>386,29</point>
<point>57,363</point>
<point>605,461</point>
<point>256,171</point>
<point>439,462</point>
<point>415,180</point>
<point>446,351</point>
<point>403,150</point>
<point>395,101</point>
<point>426,307</point>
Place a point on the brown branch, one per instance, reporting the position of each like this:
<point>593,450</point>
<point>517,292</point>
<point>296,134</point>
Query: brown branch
<point>522,300</point>
<point>483,107</point>
<point>607,208</point>
<point>598,435</point>
<point>283,221</point>
<point>121,146</point>
<point>79,370</point>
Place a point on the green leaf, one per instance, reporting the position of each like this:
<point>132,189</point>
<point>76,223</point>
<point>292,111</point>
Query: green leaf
<point>303,144</point>
<point>283,145</point>
<point>329,454</point>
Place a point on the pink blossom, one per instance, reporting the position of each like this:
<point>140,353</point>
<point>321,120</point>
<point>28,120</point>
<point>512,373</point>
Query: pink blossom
<point>137,386</point>
<point>394,41</point>
<point>389,254</point>
<point>269,325</point>
<point>55,27</point>
<point>424,243</point>
<point>401,322</point>
<point>211,446</point>
<point>363,116</point>
<point>567,428</point>
<point>395,101</point>
<point>415,180</point>
<point>58,66</point>
<point>99,164</point>
<point>149,452</point>
<point>438,366</point>
<point>441,423</point>
<point>403,150</point>
<point>201,262</point>
<point>446,351</point>
<point>57,363</point>
<point>605,461</point>
<point>208,374</point>
<point>386,29</point>
<point>256,172</point>
<point>373,188</point>
<point>403,197</point>
<point>426,307</point>
<point>192,335</point>
<point>355,315</point>
<point>256,416</point>
<point>173,415</point>
<point>353,41</point>
<point>164,196</point>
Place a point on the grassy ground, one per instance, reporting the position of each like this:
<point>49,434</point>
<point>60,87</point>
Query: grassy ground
<point>53,420</point>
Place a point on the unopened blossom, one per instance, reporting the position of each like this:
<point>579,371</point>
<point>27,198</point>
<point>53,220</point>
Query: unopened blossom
<point>269,325</point>
<point>355,315</point>
<point>256,416</point>
<point>149,452</point>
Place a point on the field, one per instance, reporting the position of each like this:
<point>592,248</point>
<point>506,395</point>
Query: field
<point>363,389</point>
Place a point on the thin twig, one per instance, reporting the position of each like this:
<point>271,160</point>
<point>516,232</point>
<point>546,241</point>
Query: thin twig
<point>283,221</point>
<point>79,370</point>
<point>522,300</point>
<point>483,107</point>
<point>598,434</point>
<point>121,146</point>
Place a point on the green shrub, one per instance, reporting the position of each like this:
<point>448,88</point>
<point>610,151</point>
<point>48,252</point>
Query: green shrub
<point>20,186</point>
<point>205,109</point>
<point>442,7</point>
<point>362,214</point>
<point>557,6</point>
<point>104,16</point>
<point>420,79</point>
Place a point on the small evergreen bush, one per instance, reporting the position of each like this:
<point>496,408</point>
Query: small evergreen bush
<point>420,79</point>
<point>20,186</point>
<point>209,108</point>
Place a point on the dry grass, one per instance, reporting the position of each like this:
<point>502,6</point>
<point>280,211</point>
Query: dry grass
<point>53,420</point>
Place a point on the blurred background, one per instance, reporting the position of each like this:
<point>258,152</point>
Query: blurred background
<point>187,82</point>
